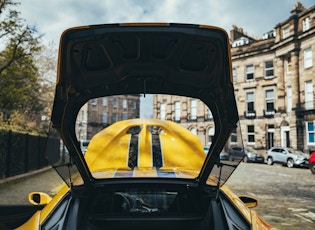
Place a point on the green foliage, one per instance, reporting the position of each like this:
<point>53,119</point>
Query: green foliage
<point>21,105</point>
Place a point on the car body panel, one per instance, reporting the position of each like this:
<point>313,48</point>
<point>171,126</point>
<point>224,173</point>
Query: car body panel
<point>33,223</point>
<point>312,162</point>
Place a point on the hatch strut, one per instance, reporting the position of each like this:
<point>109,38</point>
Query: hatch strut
<point>69,173</point>
<point>68,165</point>
<point>220,165</point>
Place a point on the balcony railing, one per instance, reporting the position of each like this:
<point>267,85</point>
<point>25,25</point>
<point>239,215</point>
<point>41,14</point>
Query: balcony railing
<point>177,119</point>
<point>208,117</point>
<point>269,113</point>
<point>192,118</point>
<point>250,114</point>
<point>305,108</point>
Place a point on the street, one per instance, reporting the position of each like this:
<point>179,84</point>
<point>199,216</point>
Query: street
<point>285,195</point>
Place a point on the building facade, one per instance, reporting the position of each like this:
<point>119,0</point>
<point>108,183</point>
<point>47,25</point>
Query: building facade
<point>274,79</point>
<point>191,113</point>
<point>99,113</point>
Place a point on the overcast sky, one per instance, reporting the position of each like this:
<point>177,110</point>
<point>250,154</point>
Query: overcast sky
<point>51,18</point>
<point>256,17</point>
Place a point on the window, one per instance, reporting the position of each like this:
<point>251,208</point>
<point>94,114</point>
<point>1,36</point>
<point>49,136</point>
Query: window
<point>285,32</point>
<point>94,102</point>
<point>306,24</point>
<point>210,135</point>
<point>104,101</point>
<point>288,65</point>
<point>104,118</point>
<point>162,111</point>
<point>209,114</point>
<point>193,109</point>
<point>125,105</point>
<point>114,117</point>
<point>250,102</point>
<point>115,102</point>
<point>269,96</point>
<point>289,99</point>
<point>177,111</point>
<point>251,134</point>
<point>133,104</point>
<point>309,96</point>
<point>233,137</point>
<point>83,116</point>
<point>308,58</point>
<point>234,74</point>
<point>194,131</point>
<point>310,132</point>
<point>124,116</point>
<point>268,69</point>
<point>249,72</point>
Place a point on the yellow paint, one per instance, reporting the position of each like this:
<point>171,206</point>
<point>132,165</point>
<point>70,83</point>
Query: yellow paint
<point>32,223</point>
<point>109,149</point>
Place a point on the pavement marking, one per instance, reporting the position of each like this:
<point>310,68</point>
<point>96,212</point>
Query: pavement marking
<point>303,218</point>
<point>304,214</point>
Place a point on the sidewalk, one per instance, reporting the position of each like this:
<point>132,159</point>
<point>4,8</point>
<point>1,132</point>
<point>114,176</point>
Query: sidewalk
<point>24,175</point>
<point>15,190</point>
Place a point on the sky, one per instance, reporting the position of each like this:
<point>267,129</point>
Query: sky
<point>51,18</point>
<point>256,17</point>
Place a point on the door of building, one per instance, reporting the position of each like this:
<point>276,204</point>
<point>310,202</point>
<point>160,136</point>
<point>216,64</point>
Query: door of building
<point>285,136</point>
<point>270,136</point>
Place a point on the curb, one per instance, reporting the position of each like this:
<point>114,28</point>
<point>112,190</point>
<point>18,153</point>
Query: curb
<point>24,175</point>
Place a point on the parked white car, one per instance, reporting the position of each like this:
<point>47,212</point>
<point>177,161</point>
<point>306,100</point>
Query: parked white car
<point>287,156</point>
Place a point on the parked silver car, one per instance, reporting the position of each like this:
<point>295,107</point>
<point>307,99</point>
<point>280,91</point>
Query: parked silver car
<point>287,156</point>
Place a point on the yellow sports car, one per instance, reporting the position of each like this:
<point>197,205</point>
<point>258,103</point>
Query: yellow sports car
<point>142,173</point>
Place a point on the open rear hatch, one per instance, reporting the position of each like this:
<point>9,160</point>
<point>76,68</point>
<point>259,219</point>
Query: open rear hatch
<point>119,59</point>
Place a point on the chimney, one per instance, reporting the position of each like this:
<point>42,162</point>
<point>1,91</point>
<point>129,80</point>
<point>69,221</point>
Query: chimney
<point>298,8</point>
<point>236,33</point>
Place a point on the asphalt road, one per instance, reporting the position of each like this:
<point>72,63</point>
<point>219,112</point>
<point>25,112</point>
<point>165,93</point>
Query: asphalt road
<point>286,196</point>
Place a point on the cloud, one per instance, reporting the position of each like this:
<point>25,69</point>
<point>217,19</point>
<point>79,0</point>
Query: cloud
<point>256,17</point>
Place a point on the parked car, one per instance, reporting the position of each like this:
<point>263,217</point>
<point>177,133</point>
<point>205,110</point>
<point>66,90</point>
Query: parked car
<point>247,155</point>
<point>312,162</point>
<point>223,155</point>
<point>287,156</point>
<point>236,153</point>
<point>251,155</point>
<point>142,173</point>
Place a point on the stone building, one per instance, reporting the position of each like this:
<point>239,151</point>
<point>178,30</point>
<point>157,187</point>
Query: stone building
<point>191,113</point>
<point>274,79</point>
<point>102,112</point>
